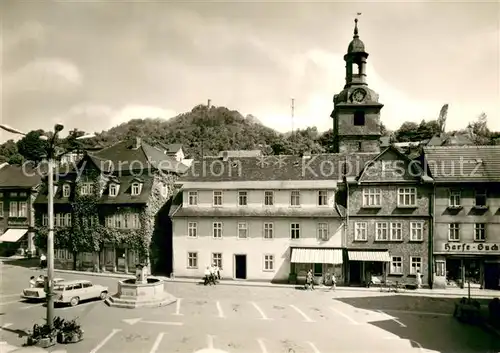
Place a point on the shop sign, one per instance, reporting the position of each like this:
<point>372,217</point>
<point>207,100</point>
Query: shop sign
<point>485,248</point>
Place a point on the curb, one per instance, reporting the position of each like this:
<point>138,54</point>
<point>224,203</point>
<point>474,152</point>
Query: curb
<point>272,285</point>
<point>491,329</point>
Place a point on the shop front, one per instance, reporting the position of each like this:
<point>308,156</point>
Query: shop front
<point>366,266</point>
<point>457,264</point>
<point>323,262</point>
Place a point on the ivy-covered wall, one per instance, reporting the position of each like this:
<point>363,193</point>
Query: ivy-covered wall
<point>86,237</point>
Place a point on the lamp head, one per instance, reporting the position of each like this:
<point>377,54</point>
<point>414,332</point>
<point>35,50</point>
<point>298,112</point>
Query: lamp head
<point>58,127</point>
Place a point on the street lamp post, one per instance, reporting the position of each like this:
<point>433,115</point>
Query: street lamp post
<point>50,237</point>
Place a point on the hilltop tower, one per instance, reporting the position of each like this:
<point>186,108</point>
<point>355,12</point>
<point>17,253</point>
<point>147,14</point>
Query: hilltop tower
<point>356,110</point>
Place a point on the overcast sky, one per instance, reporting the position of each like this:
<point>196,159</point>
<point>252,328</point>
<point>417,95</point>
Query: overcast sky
<point>93,65</point>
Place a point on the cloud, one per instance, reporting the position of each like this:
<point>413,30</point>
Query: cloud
<point>27,31</point>
<point>44,75</point>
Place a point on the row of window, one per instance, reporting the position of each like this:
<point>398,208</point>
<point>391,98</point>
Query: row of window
<point>479,231</point>
<point>114,188</point>
<point>192,261</point>
<point>389,231</point>
<point>122,221</point>
<point>396,267</point>
<point>407,197</point>
<point>242,199</point>
<point>16,209</point>
<point>60,220</point>
<point>13,194</point>
<point>480,198</point>
<point>268,230</point>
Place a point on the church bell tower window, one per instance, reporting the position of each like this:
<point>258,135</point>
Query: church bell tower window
<point>359,118</point>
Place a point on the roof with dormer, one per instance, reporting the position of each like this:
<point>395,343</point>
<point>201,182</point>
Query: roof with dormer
<point>276,168</point>
<point>124,163</point>
<point>463,163</point>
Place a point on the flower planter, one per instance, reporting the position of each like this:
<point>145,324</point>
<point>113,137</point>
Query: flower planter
<point>71,337</point>
<point>45,342</point>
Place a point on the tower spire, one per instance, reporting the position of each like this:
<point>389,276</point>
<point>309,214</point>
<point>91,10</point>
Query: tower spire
<point>356,26</point>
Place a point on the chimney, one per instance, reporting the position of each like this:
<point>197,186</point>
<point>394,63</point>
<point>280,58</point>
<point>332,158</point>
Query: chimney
<point>225,156</point>
<point>209,103</point>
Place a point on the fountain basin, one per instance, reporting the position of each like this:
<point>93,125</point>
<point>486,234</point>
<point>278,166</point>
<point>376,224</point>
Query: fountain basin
<point>133,295</point>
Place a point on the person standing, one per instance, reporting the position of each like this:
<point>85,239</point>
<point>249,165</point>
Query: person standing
<point>43,261</point>
<point>208,274</point>
<point>419,280</point>
<point>32,282</point>
<point>310,280</point>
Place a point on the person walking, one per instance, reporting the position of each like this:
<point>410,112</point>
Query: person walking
<point>208,275</point>
<point>334,282</point>
<point>310,280</point>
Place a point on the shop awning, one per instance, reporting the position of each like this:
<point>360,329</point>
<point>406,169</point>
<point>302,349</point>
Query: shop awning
<point>12,235</point>
<point>316,256</point>
<point>375,256</point>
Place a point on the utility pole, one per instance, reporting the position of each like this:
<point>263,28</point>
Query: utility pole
<point>293,113</point>
<point>209,104</point>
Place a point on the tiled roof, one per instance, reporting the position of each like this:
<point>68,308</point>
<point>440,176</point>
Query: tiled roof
<point>12,176</point>
<point>283,167</point>
<point>463,163</point>
<point>241,153</point>
<point>170,148</point>
<point>253,212</point>
<point>123,197</point>
<point>124,156</point>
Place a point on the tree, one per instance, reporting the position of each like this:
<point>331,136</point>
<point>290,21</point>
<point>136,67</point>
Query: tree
<point>413,132</point>
<point>407,132</point>
<point>32,147</point>
<point>10,154</point>
<point>478,130</point>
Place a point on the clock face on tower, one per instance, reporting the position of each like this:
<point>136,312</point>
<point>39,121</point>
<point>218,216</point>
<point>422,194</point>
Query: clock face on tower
<point>358,95</point>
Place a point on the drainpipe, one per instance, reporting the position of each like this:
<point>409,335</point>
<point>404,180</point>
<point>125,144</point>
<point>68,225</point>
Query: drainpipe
<point>346,226</point>
<point>432,226</point>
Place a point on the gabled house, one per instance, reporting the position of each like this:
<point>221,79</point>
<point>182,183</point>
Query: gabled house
<point>388,228</point>
<point>173,150</point>
<point>18,189</point>
<point>466,215</point>
<point>107,209</point>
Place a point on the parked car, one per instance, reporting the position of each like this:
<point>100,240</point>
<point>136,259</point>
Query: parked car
<point>73,292</point>
<point>38,292</point>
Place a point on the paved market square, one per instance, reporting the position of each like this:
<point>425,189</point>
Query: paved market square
<point>251,320</point>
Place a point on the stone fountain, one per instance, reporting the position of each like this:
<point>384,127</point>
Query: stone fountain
<point>140,292</point>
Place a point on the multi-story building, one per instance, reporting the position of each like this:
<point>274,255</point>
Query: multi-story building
<point>259,218</point>
<point>388,226</point>
<point>18,190</point>
<point>108,210</point>
<point>466,215</point>
<point>387,206</point>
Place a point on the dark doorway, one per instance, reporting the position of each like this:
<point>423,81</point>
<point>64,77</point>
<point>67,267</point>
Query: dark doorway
<point>491,276</point>
<point>354,272</point>
<point>240,263</point>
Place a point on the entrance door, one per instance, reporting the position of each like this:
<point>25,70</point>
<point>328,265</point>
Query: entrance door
<point>491,276</point>
<point>355,272</point>
<point>240,264</point>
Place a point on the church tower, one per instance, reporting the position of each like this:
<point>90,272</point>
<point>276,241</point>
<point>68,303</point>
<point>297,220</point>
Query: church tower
<point>356,110</point>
